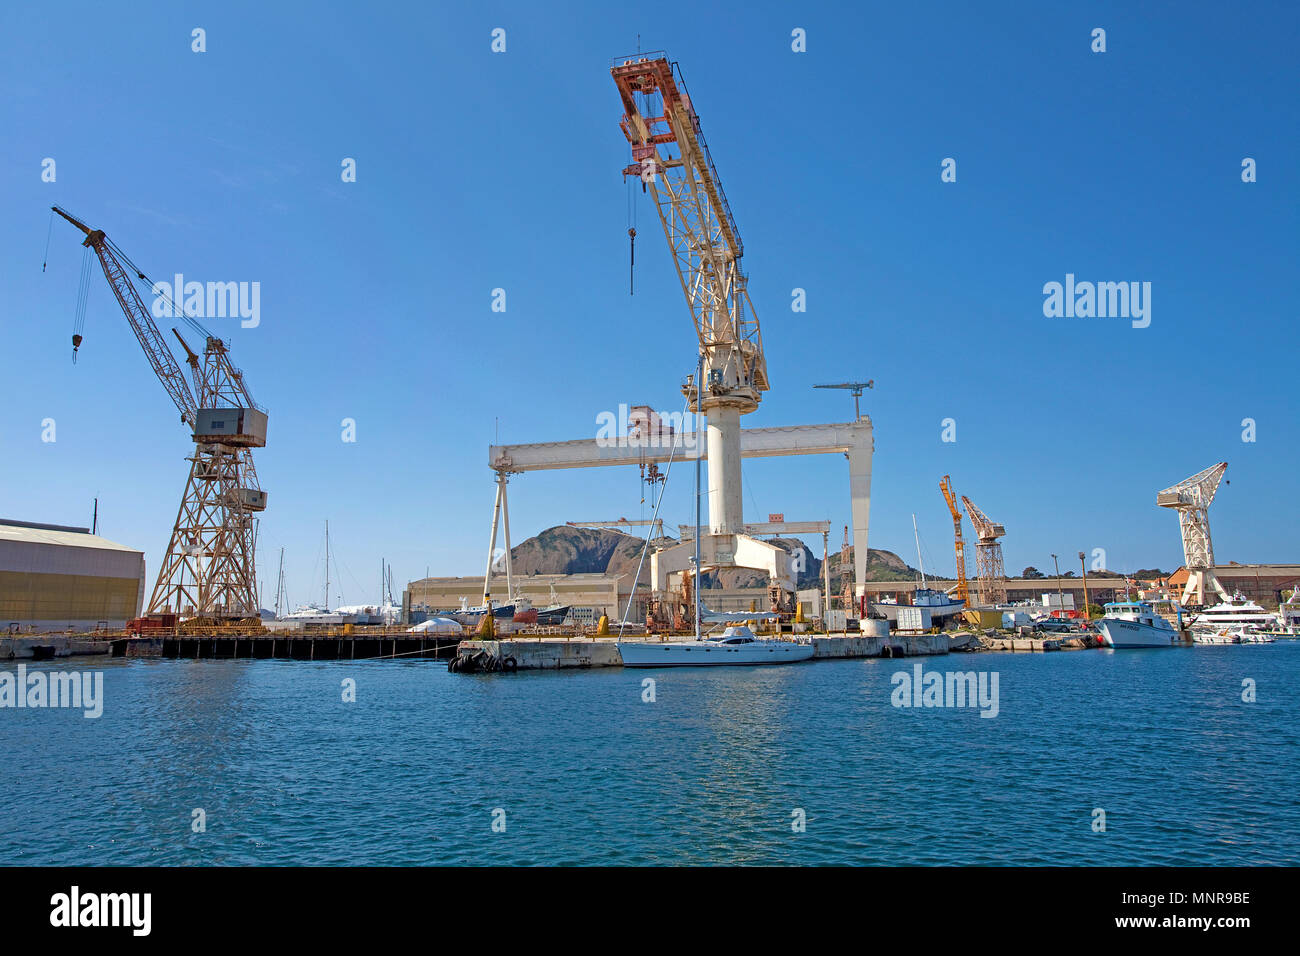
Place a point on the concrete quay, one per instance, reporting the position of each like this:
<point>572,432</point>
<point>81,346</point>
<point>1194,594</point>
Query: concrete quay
<point>560,653</point>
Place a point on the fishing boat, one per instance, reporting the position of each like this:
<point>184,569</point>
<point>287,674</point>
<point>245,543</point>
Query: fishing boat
<point>735,645</point>
<point>1134,624</point>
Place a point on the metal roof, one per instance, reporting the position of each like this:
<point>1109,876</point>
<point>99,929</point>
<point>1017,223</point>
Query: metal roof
<point>31,533</point>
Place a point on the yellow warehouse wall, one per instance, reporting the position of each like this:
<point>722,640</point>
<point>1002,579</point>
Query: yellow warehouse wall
<point>26,596</point>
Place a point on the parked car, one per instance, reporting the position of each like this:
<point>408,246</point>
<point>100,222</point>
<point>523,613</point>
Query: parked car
<point>1053,625</point>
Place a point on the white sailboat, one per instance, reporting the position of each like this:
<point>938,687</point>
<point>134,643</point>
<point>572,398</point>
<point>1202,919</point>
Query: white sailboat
<point>735,645</point>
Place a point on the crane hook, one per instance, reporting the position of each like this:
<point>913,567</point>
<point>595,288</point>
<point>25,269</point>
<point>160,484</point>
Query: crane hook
<point>76,344</point>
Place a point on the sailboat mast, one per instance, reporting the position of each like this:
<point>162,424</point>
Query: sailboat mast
<point>279,584</point>
<point>921,564</point>
<point>327,567</point>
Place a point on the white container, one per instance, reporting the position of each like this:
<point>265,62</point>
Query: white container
<point>912,618</point>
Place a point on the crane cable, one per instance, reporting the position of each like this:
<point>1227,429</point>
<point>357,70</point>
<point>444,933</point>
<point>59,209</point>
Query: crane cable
<point>83,297</point>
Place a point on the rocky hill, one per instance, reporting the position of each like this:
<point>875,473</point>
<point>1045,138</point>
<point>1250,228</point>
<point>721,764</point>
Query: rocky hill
<point>566,550</point>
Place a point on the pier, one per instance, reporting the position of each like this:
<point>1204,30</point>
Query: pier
<point>396,645</point>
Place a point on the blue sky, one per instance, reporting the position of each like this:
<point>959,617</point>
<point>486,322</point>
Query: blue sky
<point>478,170</point>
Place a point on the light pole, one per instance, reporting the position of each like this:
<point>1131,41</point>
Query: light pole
<point>1087,612</point>
<point>1060,598</point>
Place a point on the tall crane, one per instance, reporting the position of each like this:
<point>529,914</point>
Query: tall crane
<point>210,569</point>
<point>672,160</point>
<point>856,391</point>
<point>1191,499</point>
<point>945,486</point>
<point>990,577</point>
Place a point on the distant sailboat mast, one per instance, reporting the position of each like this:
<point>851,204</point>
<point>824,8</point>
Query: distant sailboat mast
<point>917,535</point>
<point>327,567</point>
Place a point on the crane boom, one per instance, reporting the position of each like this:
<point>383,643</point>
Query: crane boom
<point>673,162</point>
<point>138,316</point>
<point>945,486</point>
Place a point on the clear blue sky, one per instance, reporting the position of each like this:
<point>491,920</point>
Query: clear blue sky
<point>478,170</point>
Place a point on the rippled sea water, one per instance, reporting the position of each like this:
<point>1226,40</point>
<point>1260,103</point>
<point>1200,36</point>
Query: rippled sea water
<point>709,773</point>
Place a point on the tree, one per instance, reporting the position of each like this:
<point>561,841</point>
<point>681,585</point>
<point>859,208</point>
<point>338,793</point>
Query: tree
<point>1032,572</point>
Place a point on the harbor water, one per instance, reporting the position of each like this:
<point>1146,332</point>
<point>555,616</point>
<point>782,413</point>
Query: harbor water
<point>264,762</point>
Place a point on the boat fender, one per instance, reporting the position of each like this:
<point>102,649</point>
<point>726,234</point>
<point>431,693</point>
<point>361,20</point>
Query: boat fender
<point>509,665</point>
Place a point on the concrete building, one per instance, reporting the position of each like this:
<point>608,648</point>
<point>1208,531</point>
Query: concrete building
<point>55,578</point>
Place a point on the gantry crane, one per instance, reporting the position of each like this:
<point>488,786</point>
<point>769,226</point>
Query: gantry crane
<point>209,571</point>
<point>959,546</point>
<point>1191,499</point>
<point>990,577</point>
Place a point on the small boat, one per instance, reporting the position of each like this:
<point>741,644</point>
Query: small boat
<point>735,645</point>
<point>1134,624</point>
<point>1239,634</point>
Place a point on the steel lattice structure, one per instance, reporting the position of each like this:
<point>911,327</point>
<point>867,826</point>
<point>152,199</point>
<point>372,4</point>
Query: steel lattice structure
<point>210,567</point>
<point>1191,499</point>
<point>990,576</point>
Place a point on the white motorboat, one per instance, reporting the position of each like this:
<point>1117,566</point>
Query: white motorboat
<point>1134,624</point>
<point>735,645</point>
<point>1237,634</point>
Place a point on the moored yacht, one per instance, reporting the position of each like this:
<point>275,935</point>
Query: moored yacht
<point>1134,624</point>
<point>735,645</point>
<point>1229,614</point>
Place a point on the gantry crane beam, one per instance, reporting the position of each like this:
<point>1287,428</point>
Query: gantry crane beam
<point>959,547</point>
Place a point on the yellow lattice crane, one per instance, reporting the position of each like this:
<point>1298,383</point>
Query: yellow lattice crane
<point>958,545</point>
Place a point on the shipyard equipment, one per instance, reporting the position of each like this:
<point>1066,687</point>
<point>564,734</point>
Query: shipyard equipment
<point>990,578</point>
<point>1191,499</point>
<point>209,570</point>
<point>959,546</point>
<point>672,161</point>
<point>855,389</point>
